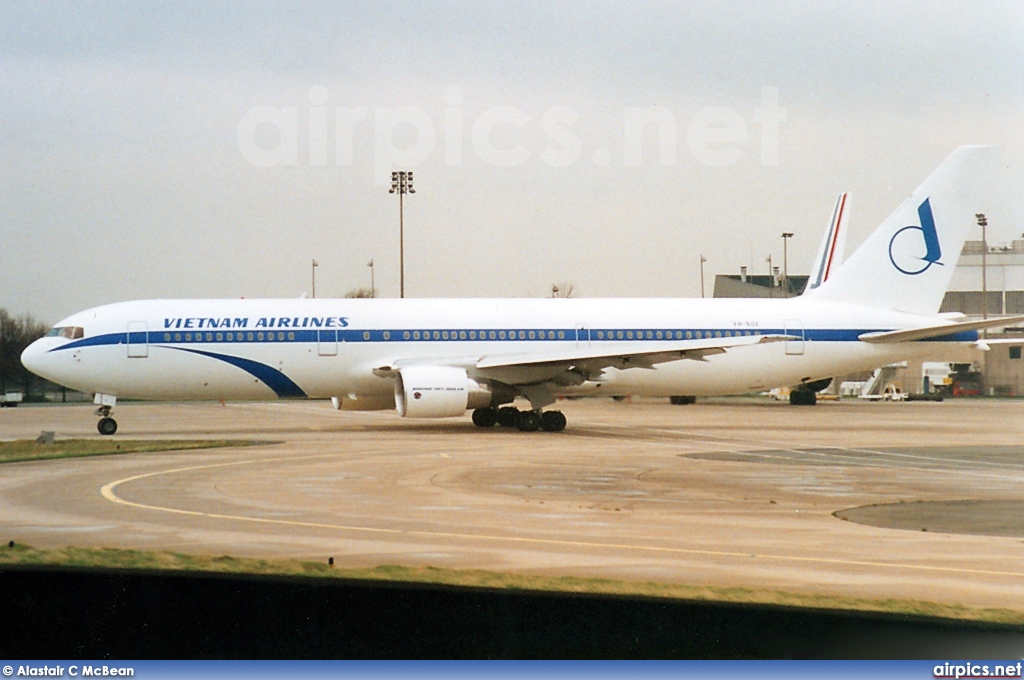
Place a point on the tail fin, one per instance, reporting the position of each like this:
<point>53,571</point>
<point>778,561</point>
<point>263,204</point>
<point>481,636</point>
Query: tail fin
<point>830,252</point>
<point>907,263</point>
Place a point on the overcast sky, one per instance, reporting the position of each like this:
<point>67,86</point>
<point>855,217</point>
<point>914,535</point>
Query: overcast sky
<point>210,149</point>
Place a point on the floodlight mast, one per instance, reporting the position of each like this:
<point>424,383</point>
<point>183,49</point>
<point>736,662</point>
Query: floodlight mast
<point>401,184</point>
<point>786,235</point>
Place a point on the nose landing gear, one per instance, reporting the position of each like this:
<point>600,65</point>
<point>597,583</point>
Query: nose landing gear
<point>107,425</point>
<point>106,402</point>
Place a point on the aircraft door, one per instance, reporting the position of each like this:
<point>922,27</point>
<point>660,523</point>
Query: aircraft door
<point>138,339</point>
<point>582,335</point>
<point>327,343</point>
<point>795,328</point>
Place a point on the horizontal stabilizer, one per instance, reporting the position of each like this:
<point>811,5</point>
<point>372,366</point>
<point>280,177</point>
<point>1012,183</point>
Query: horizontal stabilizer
<point>937,331</point>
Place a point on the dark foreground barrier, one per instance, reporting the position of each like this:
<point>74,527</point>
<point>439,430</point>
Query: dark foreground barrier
<point>62,614</point>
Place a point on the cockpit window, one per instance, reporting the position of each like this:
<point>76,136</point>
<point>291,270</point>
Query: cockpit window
<point>69,332</point>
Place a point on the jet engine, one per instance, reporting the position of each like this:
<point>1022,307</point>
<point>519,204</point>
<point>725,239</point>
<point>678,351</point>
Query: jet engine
<point>438,392</point>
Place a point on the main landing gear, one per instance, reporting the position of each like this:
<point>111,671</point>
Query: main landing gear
<point>803,398</point>
<point>524,421</point>
<point>807,393</point>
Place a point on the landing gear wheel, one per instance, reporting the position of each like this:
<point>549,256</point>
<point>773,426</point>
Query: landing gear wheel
<point>507,416</point>
<point>107,426</point>
<point>528,421</point>
<point>485,417</point>
<point>552,421</point>
<point>803,398</point>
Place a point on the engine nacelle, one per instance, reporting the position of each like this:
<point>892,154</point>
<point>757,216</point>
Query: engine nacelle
<point>438,392</point>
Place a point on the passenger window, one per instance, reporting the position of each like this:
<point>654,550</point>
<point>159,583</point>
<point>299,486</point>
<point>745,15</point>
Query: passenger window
<point>462,335</point>
<point>209,337</point>
<point>561,335</point>
<point>405,335</point>
<point>387,335</point>
<point>490,335</point>
<point>366,335</point>
<point>291,335</point>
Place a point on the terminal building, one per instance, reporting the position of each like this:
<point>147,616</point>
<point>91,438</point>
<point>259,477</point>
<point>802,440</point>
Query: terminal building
<point>987,282</point>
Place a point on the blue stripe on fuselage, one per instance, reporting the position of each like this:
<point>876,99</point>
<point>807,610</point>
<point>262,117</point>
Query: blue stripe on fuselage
<point>162,338</point>
<point>282,385</point>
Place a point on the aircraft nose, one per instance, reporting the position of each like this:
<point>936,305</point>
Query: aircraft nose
<point>33,358</point>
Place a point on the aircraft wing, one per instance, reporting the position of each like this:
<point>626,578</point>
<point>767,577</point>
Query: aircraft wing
<point>628,354</point>
<point>531,366</point>
<point>937,331</point>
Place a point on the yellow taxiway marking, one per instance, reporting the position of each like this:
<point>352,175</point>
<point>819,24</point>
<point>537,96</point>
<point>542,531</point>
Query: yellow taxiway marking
<point>108,492</point>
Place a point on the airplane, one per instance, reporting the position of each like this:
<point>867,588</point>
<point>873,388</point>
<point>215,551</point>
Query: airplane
<point>833,245</point>
<point>436,358</point>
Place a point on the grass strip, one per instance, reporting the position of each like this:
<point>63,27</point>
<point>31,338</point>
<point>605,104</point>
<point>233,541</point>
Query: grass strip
<point>107,558</point>
<point>28,449</point>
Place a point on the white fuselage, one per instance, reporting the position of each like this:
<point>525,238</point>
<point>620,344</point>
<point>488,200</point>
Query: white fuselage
<point>266,349</point>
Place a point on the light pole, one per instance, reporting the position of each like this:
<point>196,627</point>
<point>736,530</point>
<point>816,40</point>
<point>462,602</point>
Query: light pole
<point>702,261</point>
<point>373,288</point>
<point>401,184</point>
<point>983,223</point>
<point>771,279</point>
<point>786,235</point>
<point>315,265</point>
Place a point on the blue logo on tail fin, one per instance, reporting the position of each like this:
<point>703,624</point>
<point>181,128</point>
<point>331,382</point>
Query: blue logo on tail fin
<point>909,264</point>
